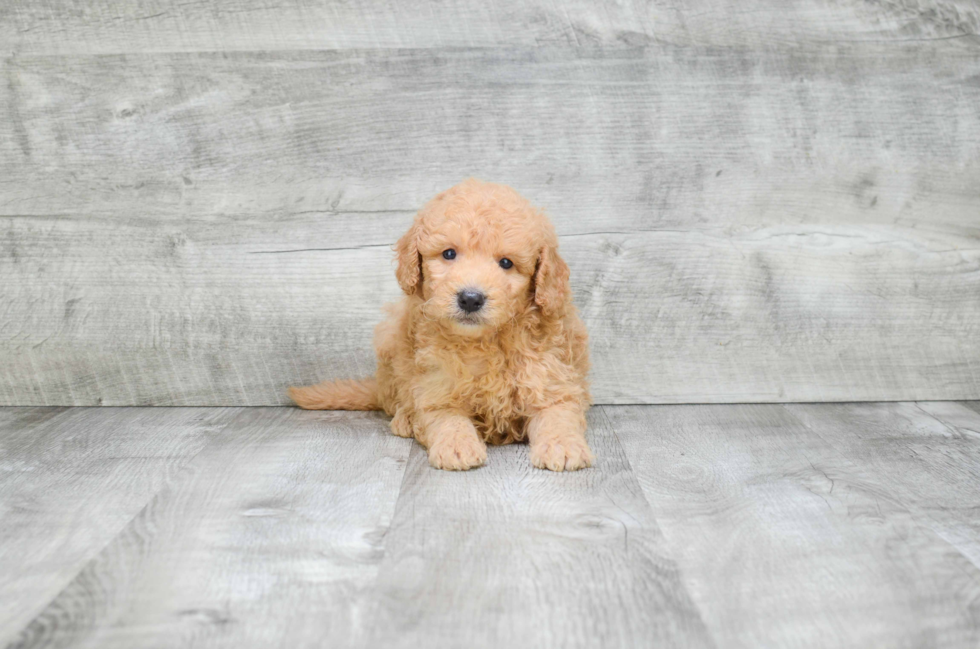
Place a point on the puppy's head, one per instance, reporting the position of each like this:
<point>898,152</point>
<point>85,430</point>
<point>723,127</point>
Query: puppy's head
<point>479,255</point>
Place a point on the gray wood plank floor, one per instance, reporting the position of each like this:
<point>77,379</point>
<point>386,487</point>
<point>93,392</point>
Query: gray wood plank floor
<point>114,27</point>
<point>837,525</point>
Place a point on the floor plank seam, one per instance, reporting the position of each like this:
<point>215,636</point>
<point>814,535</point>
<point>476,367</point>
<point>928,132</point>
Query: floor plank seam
<point>179,476</point>
<point>924,520</point>
<point>677,564</point>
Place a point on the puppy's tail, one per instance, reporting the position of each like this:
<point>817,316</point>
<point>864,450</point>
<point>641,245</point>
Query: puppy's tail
<point>338,395</point>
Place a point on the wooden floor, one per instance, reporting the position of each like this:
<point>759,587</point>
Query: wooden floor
<point>844,525</point>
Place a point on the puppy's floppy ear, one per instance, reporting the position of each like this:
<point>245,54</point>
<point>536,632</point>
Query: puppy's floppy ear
<point>551,281</point>
<point>409,271</point>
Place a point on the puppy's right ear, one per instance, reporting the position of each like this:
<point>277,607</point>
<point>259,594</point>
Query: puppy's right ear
<point>409,271</point>
<point>551,281</point>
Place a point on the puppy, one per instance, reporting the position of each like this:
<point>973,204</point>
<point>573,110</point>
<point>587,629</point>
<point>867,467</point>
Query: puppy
<point>486,347</point>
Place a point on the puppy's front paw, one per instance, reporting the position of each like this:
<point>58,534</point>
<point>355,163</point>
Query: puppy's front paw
<point>401,425</point>
<point>561,453</point>
<point>458,453</point>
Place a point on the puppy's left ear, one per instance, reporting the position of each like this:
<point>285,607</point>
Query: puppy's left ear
<point>409,271</point>
<point>551,290</point>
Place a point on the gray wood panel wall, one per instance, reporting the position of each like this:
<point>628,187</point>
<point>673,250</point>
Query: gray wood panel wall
<point>761,200</point>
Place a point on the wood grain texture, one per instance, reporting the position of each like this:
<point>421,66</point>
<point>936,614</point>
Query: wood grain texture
<point>606,139</point>
<point>71,480</point>
<point>743,224</point>
<point>110,26</point>
<point>512,556</point>
<point>926,454</point>
<point>784,539</point>
<point>267,539</point>
<point>750,525</point>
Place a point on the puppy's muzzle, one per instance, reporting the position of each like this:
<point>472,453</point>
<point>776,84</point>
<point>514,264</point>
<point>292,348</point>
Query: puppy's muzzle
<point>470,301</point>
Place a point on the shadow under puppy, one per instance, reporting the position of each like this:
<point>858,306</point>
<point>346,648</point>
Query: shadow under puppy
<point>486,347</point>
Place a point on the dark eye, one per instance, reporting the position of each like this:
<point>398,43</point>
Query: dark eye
<point>449,253</point>
<point>506,263</point>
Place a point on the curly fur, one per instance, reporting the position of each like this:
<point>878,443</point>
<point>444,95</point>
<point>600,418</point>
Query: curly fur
<point>518,372</point>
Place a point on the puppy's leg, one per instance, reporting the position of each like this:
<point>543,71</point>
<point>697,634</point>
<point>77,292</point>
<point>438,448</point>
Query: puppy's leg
<point>401,424</point>
<point>452,440</point>
<point>557,438</point>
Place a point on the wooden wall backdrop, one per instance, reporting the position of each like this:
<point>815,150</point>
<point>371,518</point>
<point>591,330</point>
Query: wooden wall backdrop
<point>760,200</point>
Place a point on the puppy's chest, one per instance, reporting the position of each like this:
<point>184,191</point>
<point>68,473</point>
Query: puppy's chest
<point>487,381</point>
<point>482,371</point>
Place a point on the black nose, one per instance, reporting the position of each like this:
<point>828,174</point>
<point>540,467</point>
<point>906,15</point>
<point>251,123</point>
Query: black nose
<point>470,301</point>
